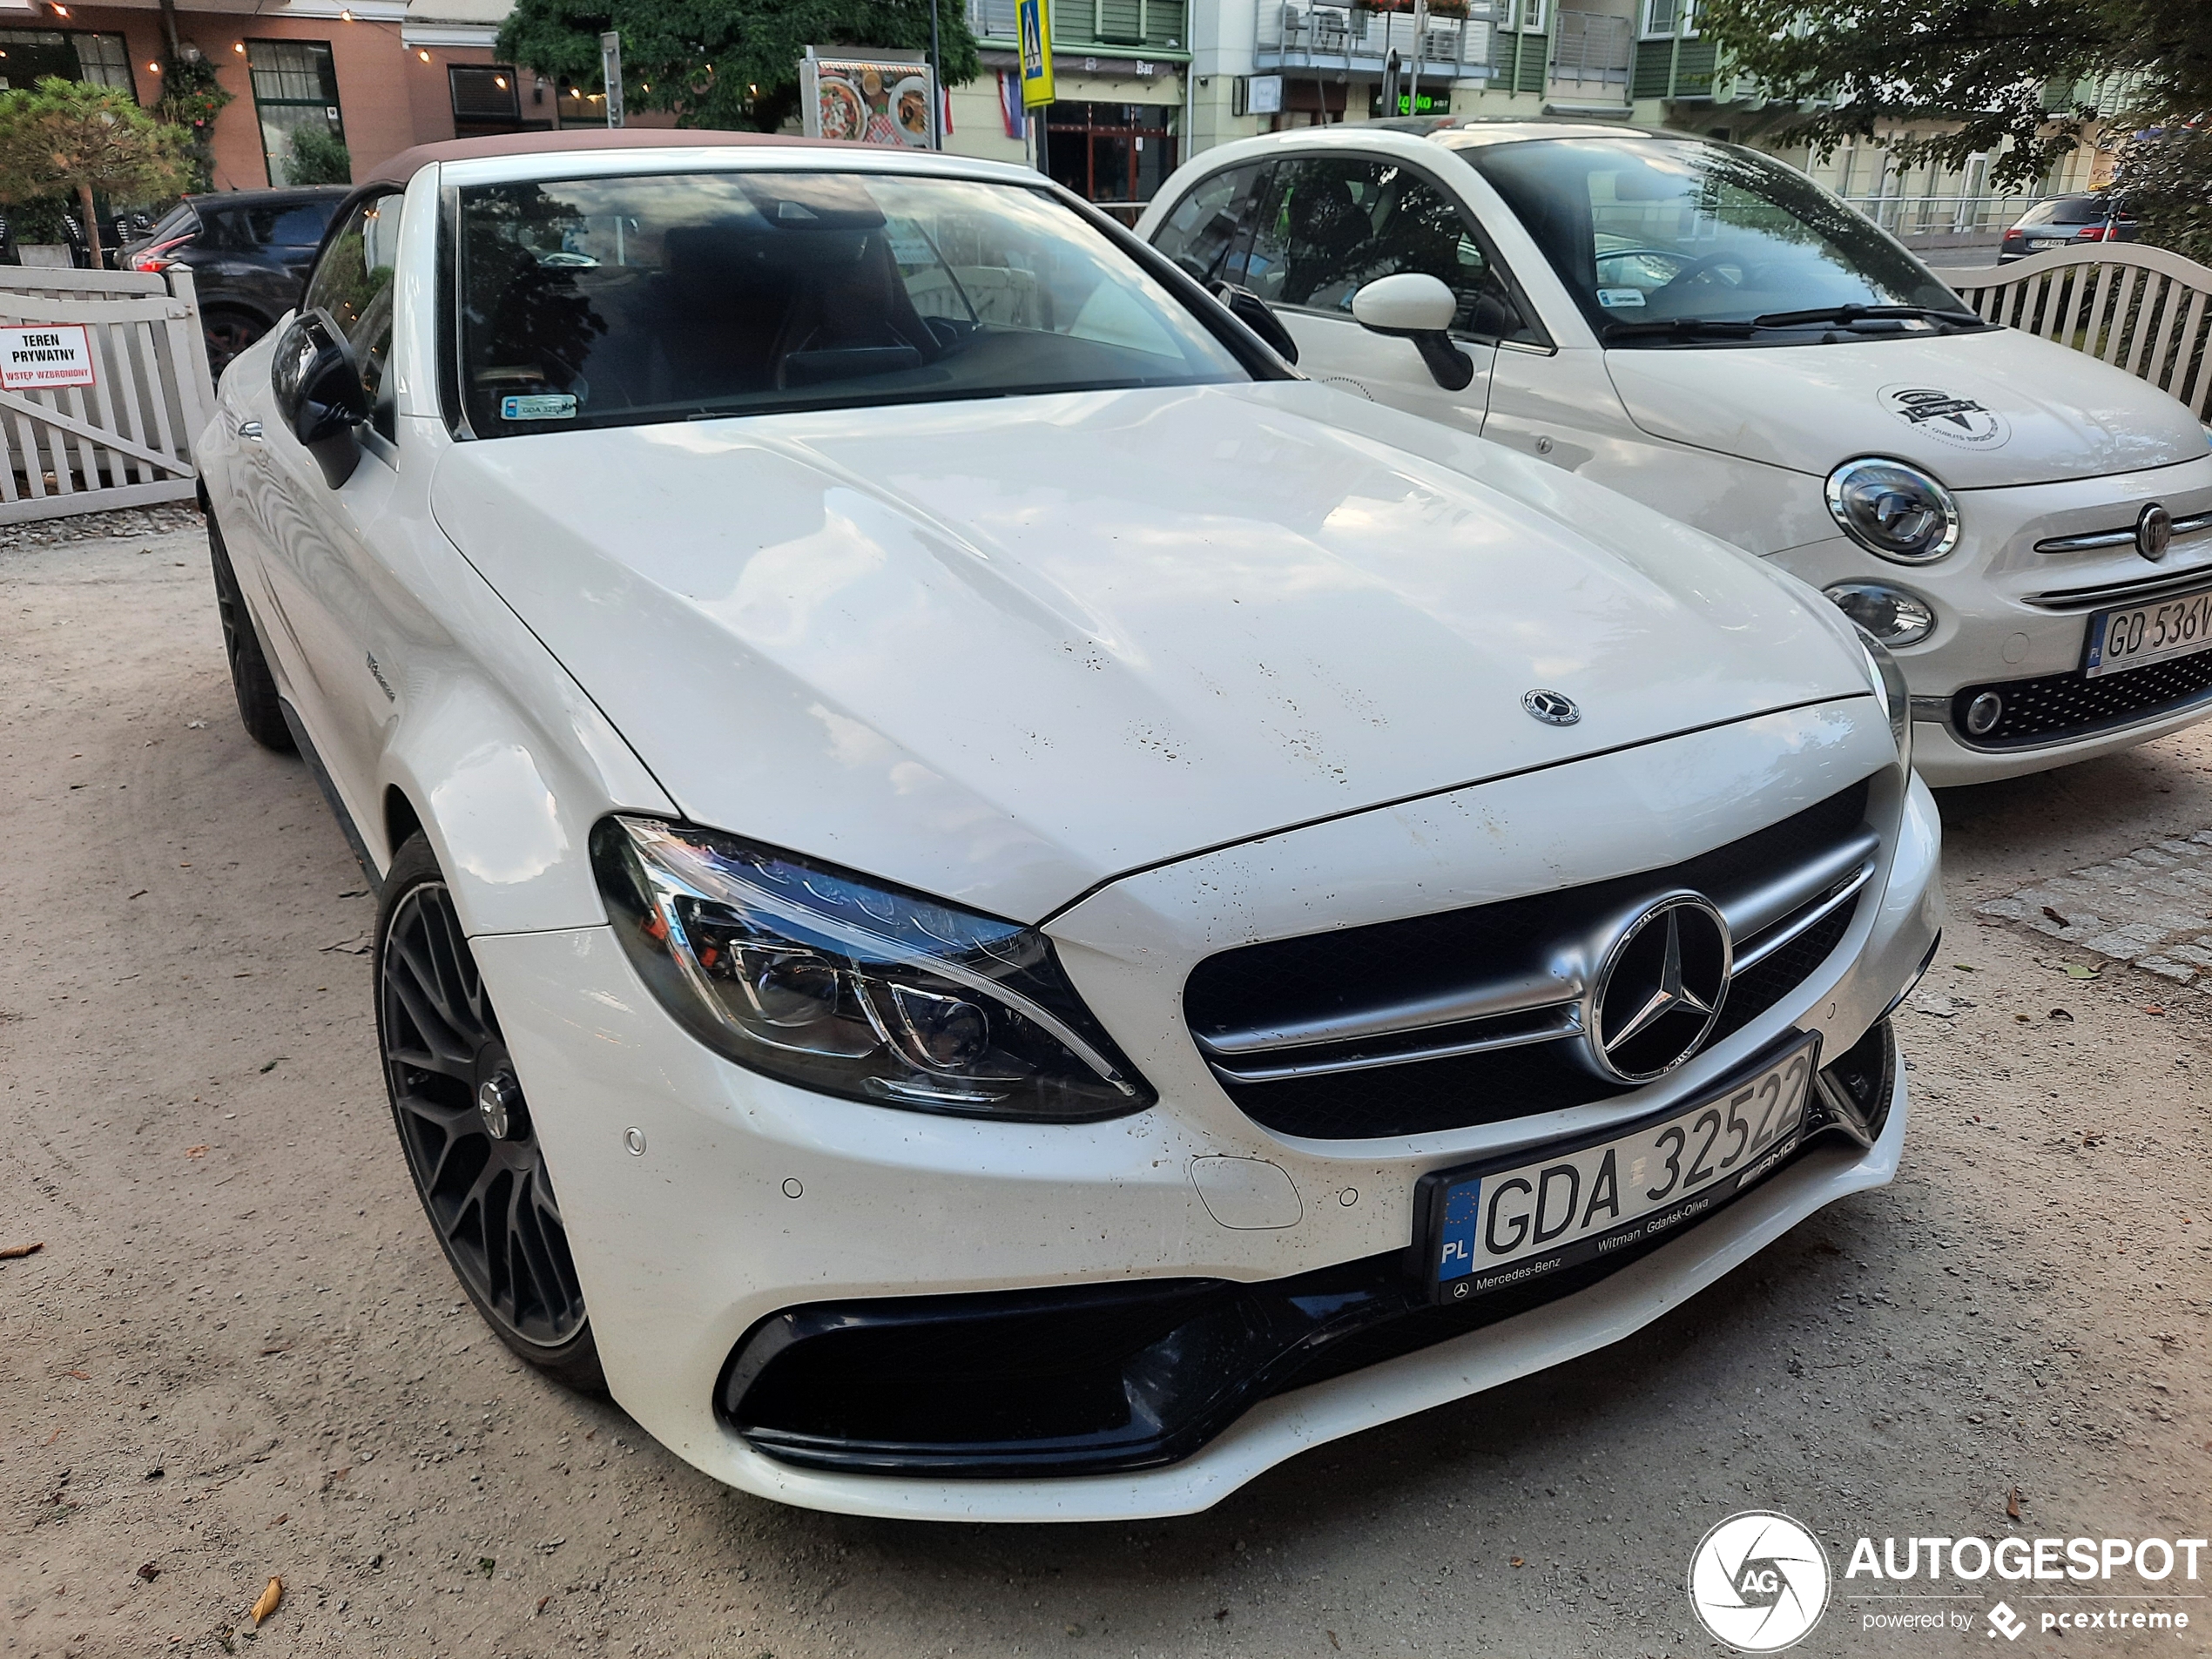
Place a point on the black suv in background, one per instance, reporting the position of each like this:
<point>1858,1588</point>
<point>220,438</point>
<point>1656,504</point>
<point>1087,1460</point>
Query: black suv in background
<point>248,252</point>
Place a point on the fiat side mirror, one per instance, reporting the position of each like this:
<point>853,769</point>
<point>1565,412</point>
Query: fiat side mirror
<point>319,395</point>
<point>1252,310</point>
<point>1416,306</point>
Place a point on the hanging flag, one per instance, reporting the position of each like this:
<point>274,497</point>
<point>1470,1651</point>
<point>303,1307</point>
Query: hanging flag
<point>1010,111</point>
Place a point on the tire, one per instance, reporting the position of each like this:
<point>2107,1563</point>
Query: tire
<point>259,710</point>
<point>479,1172</point>
<point>228,331</point>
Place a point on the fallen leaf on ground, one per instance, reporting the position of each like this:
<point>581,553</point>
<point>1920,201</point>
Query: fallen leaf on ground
<point>149,1572</point>
<point>2013,1504</point>
<point>81,1376</point>
<point>272,1598</point>
<point>16,1253</point>
<point>2075,970</point>
<point>1333,1643</point>
<point>280,1520</point>
<point>2152,1007</point>
<point>1517,1562</point>
<point>2061,1014</point>
<point>271,1065</point>
<point>2054,916</point>
<point>195,1151</point>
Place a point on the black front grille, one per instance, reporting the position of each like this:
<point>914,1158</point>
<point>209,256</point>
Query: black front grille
<point>1088,1380</point>
<point>1314,975</point>
<point>2058,706</point>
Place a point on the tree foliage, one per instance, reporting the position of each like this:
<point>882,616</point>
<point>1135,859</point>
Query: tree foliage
<point>2165,179</point>
<point>2030,76</point>
<point>319,156</point>
<point>726,63</point>
<point>72,138</point>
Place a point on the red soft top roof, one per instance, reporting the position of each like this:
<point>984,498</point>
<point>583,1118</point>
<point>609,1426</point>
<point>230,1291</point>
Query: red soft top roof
<point>404,165</point>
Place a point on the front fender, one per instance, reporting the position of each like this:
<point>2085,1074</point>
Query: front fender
<point>498,754</point>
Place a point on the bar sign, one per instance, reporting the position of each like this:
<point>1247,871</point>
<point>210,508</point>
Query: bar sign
<point>45,353</point>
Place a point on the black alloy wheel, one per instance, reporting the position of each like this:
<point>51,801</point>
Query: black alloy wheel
<point>465,1126</point>
<point>228,332</point>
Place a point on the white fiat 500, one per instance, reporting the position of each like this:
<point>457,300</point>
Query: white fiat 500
<point>984,911</point>
<point>1707,330</point>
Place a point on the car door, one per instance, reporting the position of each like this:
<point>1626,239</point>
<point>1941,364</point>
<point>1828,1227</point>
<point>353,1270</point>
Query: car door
<point>1329,223</point>
<point>321,561</point>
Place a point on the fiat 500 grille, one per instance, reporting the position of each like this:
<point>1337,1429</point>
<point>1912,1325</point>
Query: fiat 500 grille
<point>1266,1015</point>
<point>2058,706</point>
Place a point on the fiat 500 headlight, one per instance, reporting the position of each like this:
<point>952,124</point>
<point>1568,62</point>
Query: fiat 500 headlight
<point>1894,510</point>
<point>820,978</point>
<point>1889,615</point>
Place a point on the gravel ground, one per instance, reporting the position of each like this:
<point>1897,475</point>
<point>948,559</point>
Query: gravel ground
<point>238,1354</point>
<point>125,524</point>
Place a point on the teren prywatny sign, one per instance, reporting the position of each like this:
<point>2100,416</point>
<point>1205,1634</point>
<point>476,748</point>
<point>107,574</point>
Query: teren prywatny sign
<point>37,355</point>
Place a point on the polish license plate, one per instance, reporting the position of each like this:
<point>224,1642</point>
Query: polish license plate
<point>2119,640</point>
<point>1491,1228</point>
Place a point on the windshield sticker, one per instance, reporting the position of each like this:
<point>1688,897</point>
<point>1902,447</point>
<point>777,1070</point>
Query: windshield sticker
<point>1620,299</point>
<point>538,406</point>
<point>1958,421</point>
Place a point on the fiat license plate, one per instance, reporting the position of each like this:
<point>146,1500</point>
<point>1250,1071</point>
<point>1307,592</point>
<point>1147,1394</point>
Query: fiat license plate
<point>2119,640</point>
<point>1488,1228</point>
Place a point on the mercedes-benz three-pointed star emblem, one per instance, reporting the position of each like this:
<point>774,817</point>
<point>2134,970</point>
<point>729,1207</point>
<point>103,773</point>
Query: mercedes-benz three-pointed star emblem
<point>1658,989</point>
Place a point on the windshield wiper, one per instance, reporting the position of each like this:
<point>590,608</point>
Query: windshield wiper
<point>1851,313</point>
<point>1730,328</point>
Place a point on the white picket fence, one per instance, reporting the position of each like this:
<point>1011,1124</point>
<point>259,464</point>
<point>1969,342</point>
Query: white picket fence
<point>2145,309</point>
<point>126,439</point>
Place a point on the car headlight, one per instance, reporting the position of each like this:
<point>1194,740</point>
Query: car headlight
<point>1890,616</point>
<point>1888,680</point>
<point>1892,510</point>
<point>820,978</point>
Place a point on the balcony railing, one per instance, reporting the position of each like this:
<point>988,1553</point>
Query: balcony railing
<point>1292,35</point>
<point>1121,27</point>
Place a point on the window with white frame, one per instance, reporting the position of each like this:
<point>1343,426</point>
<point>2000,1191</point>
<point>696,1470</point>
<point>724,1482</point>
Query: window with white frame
<point>1661,17</point>
<point>1528,15</point>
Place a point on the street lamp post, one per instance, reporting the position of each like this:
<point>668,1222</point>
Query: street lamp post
<point>936,84</point>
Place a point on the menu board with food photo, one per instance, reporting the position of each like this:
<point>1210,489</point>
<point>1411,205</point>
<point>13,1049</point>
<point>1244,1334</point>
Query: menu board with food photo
<point>869,100</point>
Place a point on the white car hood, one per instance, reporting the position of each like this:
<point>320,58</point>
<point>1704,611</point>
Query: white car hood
<point>1002,651</point>
<point>1979,410</point>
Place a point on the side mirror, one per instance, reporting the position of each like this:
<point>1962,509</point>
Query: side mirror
<point>1416,306</point>
<point>320,393</point>
<point>1252,310</point>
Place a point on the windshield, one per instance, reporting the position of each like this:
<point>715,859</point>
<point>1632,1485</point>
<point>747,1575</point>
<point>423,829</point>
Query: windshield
<point>667,297</point>
<point>1664,230</point>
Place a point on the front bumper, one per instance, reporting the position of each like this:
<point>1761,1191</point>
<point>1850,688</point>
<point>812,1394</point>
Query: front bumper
<point>2002,622</point>
<point>750,1199</point>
